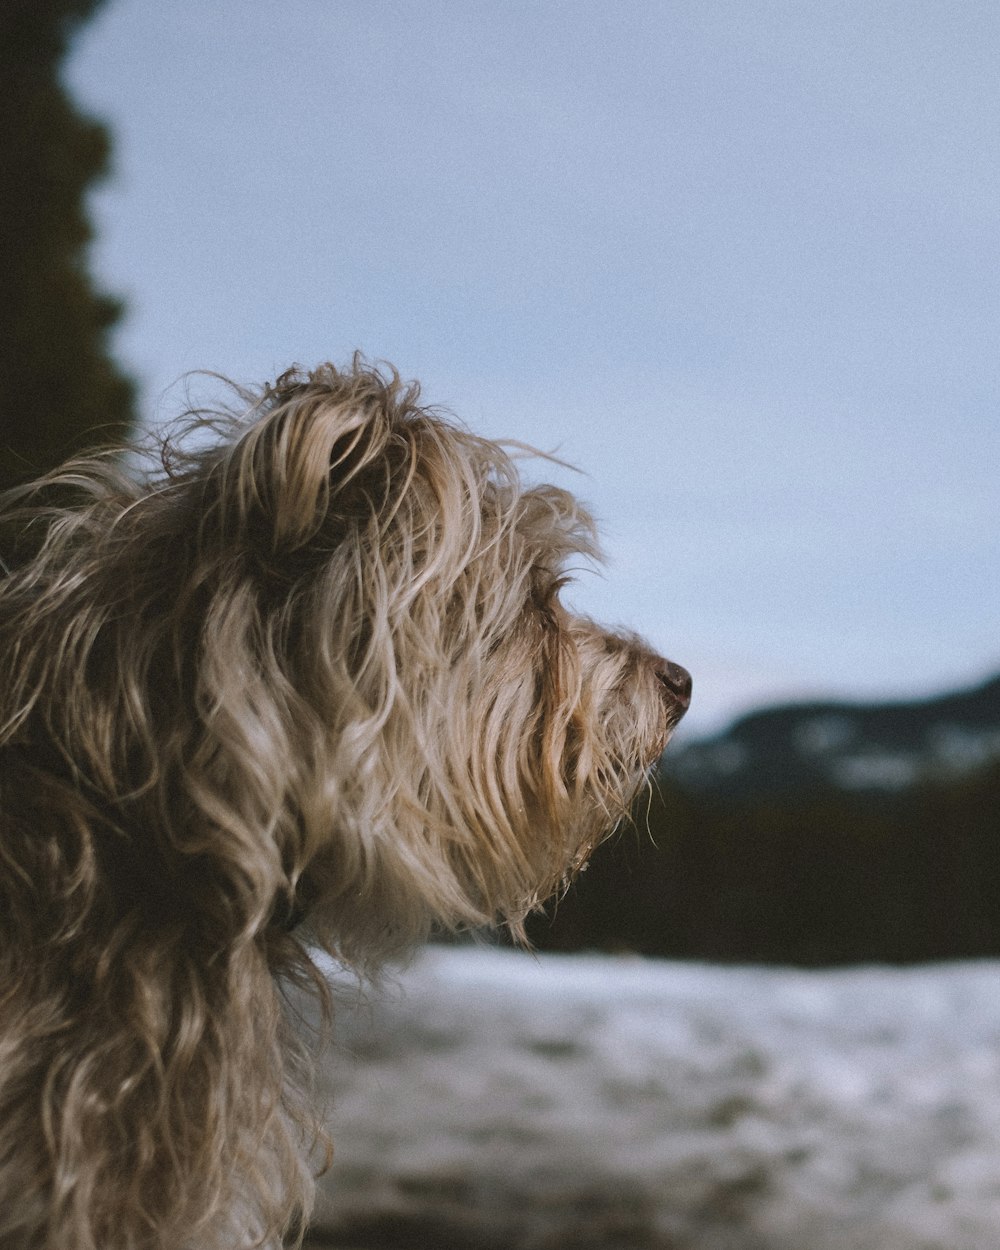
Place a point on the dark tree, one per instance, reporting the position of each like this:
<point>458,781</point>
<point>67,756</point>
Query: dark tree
<point>60,391</point>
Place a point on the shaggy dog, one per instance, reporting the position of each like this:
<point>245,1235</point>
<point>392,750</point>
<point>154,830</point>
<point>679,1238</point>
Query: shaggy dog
<point>306,685</point>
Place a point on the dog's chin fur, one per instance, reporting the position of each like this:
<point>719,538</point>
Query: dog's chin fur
<point>306,686</point>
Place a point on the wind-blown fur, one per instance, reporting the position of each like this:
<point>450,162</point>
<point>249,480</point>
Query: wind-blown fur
<point>305,685</point>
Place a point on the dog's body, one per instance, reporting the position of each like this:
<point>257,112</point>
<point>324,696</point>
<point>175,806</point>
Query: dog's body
<point>309,687</point>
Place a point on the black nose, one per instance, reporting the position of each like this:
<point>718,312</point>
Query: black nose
<point>677,681</point>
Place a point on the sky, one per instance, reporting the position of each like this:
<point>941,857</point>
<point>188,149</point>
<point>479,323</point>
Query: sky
<point>738,261</point>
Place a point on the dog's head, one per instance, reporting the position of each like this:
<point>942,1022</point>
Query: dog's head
<point>314,667</point>
<point>320,663</point>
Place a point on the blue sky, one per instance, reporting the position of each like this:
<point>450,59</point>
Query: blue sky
<point>737,261</point>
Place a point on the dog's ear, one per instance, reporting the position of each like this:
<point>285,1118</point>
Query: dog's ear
<point>321,443</point>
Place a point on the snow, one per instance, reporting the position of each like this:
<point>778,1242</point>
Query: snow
<point>957,749</point>
<point>493,1099</point>
<point>877,770</point>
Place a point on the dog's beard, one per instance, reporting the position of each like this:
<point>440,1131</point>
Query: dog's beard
<point>482,793</point>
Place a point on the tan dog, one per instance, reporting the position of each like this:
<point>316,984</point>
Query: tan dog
<point>308,686</point>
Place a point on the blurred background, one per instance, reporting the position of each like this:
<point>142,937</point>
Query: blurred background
<point>739,263</point>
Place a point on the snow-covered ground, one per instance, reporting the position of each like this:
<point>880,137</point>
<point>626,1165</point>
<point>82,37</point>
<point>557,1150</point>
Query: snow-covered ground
<point>495,1101</point>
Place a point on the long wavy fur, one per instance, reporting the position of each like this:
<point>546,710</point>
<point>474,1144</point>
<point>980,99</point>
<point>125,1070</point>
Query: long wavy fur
<point>304,685</point>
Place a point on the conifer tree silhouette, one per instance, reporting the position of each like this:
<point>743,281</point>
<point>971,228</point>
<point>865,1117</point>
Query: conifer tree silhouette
<point>60,390</point>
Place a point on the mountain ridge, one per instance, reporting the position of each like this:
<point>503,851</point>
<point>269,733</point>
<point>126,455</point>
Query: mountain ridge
<point>844,746</point>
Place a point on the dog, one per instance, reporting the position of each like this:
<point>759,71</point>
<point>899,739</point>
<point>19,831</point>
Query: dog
<point>303,685</point>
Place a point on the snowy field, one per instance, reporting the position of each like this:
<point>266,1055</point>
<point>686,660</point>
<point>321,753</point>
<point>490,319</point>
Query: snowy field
<point>494,1101</point>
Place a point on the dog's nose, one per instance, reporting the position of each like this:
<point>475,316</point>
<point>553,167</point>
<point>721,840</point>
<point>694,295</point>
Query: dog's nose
<point>677,682</point>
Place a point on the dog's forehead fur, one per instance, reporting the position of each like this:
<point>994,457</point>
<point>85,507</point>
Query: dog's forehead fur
<point>321,463</point>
